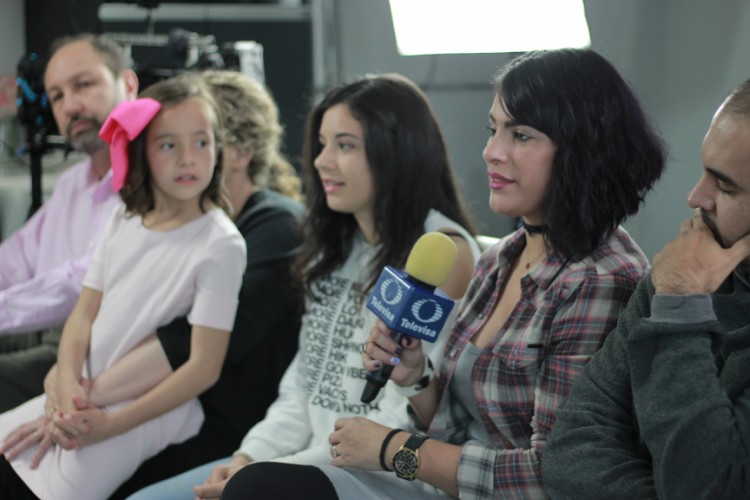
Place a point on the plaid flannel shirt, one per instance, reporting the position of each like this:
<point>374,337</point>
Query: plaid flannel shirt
<point>565,311</point>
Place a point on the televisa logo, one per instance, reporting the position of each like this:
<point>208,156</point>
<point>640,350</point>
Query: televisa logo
<point>408,308</point>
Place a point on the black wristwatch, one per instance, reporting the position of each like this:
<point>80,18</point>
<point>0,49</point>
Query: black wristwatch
<point>406,459</point>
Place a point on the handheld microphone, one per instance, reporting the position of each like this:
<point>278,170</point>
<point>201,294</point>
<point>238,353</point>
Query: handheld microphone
<point>407,300</point>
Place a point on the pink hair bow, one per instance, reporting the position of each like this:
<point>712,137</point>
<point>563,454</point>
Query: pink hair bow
<point>124,123</point>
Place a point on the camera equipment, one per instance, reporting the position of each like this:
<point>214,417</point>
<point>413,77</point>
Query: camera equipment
<point>185,50</point>
<point>162,56</point>
<point>35,114</point>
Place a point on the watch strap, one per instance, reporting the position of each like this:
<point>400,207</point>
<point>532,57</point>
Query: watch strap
<point>415,441</point>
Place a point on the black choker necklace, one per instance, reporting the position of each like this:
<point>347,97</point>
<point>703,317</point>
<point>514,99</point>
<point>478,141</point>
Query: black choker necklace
<point>532,229</point>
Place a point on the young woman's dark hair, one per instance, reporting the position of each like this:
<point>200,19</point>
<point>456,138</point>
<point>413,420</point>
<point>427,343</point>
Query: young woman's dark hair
<point>137,192</point>
<point>608,154</point>
<point>406,152</point>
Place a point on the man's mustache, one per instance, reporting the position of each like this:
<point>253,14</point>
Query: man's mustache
<point>75,119</point>
<point>711,223</point>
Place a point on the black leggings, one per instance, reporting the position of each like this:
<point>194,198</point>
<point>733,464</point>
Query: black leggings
<point>279,481</point>
<point>12,486</point>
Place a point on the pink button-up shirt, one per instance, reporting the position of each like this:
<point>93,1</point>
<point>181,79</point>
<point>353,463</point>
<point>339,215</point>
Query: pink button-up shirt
<point>42,265</point>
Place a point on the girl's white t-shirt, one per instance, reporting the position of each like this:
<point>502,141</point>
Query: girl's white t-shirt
<point>147,278</point>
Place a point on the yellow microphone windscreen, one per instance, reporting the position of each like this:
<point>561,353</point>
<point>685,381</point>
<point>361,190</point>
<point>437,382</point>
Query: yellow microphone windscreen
<point>432,258</point>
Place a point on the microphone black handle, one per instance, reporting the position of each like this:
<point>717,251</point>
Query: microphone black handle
<point>377,379</point>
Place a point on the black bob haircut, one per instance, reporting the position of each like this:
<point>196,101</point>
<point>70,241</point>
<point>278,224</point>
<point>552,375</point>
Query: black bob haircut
<point>608,153</point>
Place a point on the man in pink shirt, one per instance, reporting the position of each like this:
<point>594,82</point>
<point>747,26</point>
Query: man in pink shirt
<point>43,264</point>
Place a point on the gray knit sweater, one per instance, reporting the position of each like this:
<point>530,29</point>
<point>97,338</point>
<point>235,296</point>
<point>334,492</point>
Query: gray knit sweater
<point>663,410</point>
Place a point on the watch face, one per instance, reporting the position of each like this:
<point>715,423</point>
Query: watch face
<point>406,463</point>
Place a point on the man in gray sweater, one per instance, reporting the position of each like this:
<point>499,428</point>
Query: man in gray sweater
<point>663,410</point>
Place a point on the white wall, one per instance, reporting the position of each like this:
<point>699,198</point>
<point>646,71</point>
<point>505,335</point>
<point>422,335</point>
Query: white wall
<point>12,35</point>
<point>12,46</point>
<point>681,56</point>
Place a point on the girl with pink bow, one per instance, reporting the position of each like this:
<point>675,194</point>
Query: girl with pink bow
<point>170,250</point>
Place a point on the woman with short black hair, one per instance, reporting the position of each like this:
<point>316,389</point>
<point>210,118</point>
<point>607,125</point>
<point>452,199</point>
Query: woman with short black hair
<point>571,153</point>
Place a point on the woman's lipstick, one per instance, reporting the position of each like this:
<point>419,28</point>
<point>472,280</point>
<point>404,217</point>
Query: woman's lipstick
<point>497,181</point>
